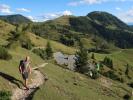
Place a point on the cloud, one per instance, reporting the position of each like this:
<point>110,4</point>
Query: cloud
<point>118,8</point>
<point>5,9</point>
<point>32,18</point>
<point>67,12</point>
<point>50,16</point>
<point>126,16</point>
<point>23,10</point>
<point>90,2</point>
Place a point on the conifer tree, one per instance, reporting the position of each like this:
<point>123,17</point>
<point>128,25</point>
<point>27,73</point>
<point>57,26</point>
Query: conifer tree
<point>48,50</point>
<point>81,59</point>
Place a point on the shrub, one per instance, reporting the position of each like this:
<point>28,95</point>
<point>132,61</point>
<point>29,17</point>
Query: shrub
<point>27,45</point>
<point>95,74</point>
<point>108,62</point>
<point>5,95</point>
<point>127,97</point>
<point>130,84</point>
<point>113,76</point>
<point>67,40</point>
<point>40,52</point>
<point>25,41</point>
<point>92,56</point>
<point>4,54</point>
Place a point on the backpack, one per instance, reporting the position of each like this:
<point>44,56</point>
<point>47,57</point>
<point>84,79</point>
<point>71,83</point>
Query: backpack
<point>23,65</point>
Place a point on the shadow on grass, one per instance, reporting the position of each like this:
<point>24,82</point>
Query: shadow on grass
<point>12,79</point>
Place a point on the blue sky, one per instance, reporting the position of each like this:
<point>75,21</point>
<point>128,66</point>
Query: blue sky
<point>41,10</point>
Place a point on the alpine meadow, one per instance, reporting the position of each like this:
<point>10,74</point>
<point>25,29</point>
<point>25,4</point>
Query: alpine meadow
<point>83,53</point>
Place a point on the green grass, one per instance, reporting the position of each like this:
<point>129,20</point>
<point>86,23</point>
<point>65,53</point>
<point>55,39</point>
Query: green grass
<point>60,86</point>
<point>63,20</point>
<point>88,43</point>
<point>5,29</point>
<point>11,67</point>
<point>38,41</point>
<point>120,59</point>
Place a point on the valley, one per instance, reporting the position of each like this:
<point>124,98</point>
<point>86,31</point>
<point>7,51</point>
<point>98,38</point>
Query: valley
<point>103,35</point>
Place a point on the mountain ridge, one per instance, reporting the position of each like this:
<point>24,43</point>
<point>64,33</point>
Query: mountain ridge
<point>15,19</point>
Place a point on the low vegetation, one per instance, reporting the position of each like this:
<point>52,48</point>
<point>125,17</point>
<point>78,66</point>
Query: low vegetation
<point>40,52</point>
<point>5,95</point>
<point>113,80</point>
<point>4,54</point>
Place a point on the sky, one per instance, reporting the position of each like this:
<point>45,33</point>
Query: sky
<point>42,10</point>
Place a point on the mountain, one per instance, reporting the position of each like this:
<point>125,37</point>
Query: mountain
<point>15,19</point>
<point>107,20</point>
<point>60,83</point>
<point>101,24</point>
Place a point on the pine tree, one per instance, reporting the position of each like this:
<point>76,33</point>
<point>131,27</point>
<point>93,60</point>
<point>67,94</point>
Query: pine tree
<point>49,51</point>
<point>81,59</point>
<point>111,64</point>
<point>127,69</point>
<point>108,62</point>
<point>92,56</point>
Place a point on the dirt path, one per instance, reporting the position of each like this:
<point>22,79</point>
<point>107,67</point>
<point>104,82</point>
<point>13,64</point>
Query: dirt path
<point>39,47</point>
<point>37,80</point>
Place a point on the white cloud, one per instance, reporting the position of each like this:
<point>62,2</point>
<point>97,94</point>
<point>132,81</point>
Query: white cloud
<point>126,16</point>
<point>50,16</point>
<point>90,2</point>
<point>32,18</point>
<point>118,8</point>
<point>67,12</point>
<point>23,10</point>
<point>5,9</point>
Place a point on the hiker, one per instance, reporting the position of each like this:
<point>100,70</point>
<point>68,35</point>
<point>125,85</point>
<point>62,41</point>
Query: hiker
<point>25,70</point>
<point>97,66</point>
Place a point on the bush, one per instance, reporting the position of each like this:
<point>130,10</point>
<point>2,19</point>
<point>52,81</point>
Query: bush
<point>67,40</point>
<point>113,76</point>
<point>41,53</point>
<point>25,41</point>
<point>92,56</point>
<point>27,45</point>
<point>130,84</point>
<point>108,62</point>
<point>127,97</point>
<point>4,54</point>
<point>5,95</point>
<point>95,74</point>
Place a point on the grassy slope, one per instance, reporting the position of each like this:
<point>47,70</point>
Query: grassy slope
<point>120,59</point>
<point>63,20</point>
<point>11,67</point>
<point>60,86</point>
<point>61,81</point>
<point>5,29</point>
<point>38,41</point>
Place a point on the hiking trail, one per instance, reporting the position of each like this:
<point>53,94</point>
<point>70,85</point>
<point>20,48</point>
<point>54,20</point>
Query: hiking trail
<point>37,80</point>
